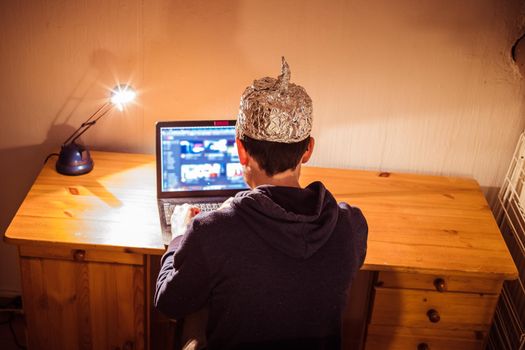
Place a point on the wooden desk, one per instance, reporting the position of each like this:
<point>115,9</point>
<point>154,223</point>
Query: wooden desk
<point>85,245</point>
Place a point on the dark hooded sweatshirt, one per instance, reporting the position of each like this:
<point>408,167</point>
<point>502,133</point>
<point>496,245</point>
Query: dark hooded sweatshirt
<point>273,269</point>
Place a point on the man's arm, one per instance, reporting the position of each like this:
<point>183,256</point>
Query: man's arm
<point>183,284</point>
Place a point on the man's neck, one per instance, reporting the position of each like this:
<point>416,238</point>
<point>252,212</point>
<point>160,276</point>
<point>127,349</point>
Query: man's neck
<point>288,178</point>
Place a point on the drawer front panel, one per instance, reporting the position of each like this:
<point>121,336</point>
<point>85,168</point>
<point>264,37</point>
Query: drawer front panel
<point>439,283</point>
<point>390,337</point>
<point>429,309</point>
<point>397,342</point>
<point>81,255</point>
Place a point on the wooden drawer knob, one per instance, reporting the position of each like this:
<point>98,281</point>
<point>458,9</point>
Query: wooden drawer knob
<point>79,255</point>
<point>423,346</point>
<point>433,316</point>
<point>440,284</point>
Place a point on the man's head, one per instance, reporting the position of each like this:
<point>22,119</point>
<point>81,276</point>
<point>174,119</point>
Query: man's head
<point>274,124</point>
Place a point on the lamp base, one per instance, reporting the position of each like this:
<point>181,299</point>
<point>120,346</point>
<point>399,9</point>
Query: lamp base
<point>74,159</point>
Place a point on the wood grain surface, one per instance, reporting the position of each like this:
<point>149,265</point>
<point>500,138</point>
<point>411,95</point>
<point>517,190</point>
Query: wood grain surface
<point>408,308</point>
<point>403,338</point>
<point>72,305</point>
<point>427,282</point>
<point>417,223</point>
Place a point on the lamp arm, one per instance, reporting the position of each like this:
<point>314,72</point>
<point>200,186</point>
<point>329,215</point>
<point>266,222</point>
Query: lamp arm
<point>88,123</point>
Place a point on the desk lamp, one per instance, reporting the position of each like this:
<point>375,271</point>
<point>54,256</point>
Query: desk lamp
<point>74,159</point>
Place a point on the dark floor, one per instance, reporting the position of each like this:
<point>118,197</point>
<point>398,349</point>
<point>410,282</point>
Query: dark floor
<point>12,325</point>
<point>7,338</point>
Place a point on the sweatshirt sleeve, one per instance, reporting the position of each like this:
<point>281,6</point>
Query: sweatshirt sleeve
<point>362,234</point>
<point>183,284</point>
<point>357,222</point>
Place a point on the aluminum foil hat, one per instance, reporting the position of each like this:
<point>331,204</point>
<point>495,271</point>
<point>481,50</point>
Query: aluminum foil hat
<point>275,110</point>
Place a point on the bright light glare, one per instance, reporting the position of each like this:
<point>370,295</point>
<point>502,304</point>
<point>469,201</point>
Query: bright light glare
<point>121,95</point>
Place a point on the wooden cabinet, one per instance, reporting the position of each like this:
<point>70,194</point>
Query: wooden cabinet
<point>78,299</point>
<point>90,245</point>
<point>419,311</point>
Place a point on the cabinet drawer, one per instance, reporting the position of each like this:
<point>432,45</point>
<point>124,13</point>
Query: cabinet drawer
<point>439,283</point>
<point>402,338</point>
<point>81,255</point>
<point>418,308</point>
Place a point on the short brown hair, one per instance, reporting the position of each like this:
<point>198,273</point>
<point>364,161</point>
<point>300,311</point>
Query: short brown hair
<point>275,157</point>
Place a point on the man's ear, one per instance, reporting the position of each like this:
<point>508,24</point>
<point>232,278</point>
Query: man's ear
<point>309,151</point>
<point>243,155</point>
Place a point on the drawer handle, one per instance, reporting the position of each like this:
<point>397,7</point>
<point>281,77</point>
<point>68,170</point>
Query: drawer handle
<point>79,255</point>
<point>423,346</point>
<point>433,316</point>
<point>440,284</point>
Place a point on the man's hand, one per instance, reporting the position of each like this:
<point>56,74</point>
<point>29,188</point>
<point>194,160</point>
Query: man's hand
<point>181,217</point>
<point>226,203</point>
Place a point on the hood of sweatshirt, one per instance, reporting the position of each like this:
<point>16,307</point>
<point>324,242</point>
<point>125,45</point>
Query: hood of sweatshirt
<point>295,221</point>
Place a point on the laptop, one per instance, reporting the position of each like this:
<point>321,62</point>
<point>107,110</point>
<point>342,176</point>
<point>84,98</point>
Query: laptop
<point>197,163</point>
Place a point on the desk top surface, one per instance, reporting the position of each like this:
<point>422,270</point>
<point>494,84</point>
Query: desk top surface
<point>417,223</point>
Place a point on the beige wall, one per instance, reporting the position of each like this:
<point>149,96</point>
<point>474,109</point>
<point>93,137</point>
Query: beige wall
<point>419,86</point>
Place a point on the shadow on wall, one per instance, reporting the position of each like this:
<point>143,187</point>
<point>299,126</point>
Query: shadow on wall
<point>20,167</point>
<point>491,195</point>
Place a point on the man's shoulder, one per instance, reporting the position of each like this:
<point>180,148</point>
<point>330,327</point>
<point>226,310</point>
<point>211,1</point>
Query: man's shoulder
<point>349,210</point>
<point>218,222</point>
<point>221,216</point>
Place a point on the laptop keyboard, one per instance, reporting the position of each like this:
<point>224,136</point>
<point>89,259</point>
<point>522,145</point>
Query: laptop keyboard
<point>170,207</point>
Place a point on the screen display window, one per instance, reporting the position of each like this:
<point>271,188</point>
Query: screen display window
<point>199,159</point>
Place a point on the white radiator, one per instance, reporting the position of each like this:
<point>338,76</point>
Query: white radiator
<point>507,331</point>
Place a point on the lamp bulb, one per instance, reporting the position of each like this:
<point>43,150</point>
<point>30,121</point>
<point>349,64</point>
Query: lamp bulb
<point>121,95</point>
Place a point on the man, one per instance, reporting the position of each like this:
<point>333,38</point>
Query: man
<point>274,265</point>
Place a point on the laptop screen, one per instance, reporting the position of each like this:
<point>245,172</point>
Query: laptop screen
<point>199,158</point>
